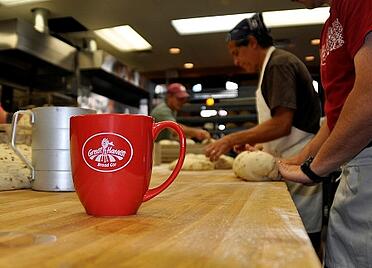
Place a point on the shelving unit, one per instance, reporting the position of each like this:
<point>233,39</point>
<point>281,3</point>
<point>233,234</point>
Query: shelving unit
<point>240,111</point>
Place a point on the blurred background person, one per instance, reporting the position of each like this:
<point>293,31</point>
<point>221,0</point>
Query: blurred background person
<point>167,110</point>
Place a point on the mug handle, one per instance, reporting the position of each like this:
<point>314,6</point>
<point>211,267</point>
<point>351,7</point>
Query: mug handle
<point>13,142</point>
<point>156,129</point>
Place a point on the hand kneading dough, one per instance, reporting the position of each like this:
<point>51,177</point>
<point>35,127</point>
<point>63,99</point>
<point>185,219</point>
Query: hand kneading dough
<point>194,162</point>
<point>255,166</point>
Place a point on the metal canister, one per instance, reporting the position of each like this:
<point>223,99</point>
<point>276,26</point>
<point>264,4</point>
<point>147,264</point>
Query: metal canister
<point>50,165</point>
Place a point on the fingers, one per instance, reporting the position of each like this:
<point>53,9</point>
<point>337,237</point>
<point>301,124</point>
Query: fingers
<point>212,152</point>
<point>239,148</point>
<point>250,148</point>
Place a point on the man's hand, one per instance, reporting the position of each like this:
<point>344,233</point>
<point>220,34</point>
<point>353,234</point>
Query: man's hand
<point>219,147</point>
<point>293,173</point>
<point>246,147</point>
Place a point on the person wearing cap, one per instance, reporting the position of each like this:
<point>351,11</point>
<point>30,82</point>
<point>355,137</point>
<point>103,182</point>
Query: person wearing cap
<point>345,139</point>
<point>288,110</point>
<point>167,111</point>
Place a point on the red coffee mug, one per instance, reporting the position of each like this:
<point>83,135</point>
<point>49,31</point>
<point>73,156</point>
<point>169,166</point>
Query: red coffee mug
<point>111,161</point>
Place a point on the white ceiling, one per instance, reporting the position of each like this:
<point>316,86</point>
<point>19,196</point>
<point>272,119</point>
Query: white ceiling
<point>151,18</point>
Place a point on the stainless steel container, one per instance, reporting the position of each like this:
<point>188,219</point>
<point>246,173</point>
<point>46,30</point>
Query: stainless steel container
<point>51,168</point>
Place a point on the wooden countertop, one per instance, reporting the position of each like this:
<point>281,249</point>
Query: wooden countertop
<point>205,219</point>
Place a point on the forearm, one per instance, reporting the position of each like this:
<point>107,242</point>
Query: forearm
<point>353,129</point>
<point>350,135</point>
<point>312,148</point>
<point>189,131</point>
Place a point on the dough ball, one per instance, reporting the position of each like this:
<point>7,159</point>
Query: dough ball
<point>224,162</point>
<point>255,166</point>
<point>194,162</point>
<point>168,142</point>
<point>190,141</point>
<point>174,142</point>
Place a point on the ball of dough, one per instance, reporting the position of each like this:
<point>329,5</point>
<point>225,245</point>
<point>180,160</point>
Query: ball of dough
<point>194,162</point>
<point>190,141</point>
<point>168,142</point>
<point>255,166</point>
<point>224,162</point>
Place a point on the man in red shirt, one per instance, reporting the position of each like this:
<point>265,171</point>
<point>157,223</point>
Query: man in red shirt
<point>345,139</point>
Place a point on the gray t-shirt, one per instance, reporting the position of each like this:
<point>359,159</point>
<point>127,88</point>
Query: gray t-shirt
<point>288,83</point>
<point>162,112</point>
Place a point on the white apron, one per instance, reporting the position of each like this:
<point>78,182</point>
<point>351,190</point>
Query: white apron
<point>308,199</point>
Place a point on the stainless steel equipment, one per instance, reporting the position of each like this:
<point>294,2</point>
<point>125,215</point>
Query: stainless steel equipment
<point>108,76</point>
<point>51,170</point>
<point>19,38</point>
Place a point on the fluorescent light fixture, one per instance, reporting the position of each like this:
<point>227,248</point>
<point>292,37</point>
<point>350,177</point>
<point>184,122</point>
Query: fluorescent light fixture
<point>19,2</point>
<point>273,19</point>
<point>124,38</point>
<point>295,17</point>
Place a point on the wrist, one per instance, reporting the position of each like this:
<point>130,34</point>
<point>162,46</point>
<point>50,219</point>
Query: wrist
<point>310,173</point>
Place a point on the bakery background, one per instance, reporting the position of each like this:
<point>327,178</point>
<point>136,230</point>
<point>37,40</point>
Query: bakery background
<point>77,66</point>
<point>52,53</point>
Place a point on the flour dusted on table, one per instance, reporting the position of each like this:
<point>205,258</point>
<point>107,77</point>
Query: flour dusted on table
<point>255,166</point>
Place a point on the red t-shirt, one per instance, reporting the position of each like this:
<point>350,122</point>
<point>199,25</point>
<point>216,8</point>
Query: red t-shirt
<point>342,36</point>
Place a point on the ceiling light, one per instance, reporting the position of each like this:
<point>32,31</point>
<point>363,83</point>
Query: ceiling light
<point>19,2</point>
<point>310,58</point>
<point>174,50</point>
<point>124,38</point>
<point>315,42</point>
<point>231,85</point>
<point>197,88</point>
<point>273,19</point>
<point>188,65</point>
<point>208,113</point>
<point>221,127</point>
<point>222,113</point>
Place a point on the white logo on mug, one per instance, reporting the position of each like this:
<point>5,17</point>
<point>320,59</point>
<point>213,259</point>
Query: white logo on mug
<point>107,152</point>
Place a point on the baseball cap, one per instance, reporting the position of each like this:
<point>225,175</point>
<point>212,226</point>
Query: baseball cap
<point>178,90</point>
<point>250,26</point>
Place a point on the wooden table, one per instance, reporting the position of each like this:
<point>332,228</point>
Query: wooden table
<point>205,219</point>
